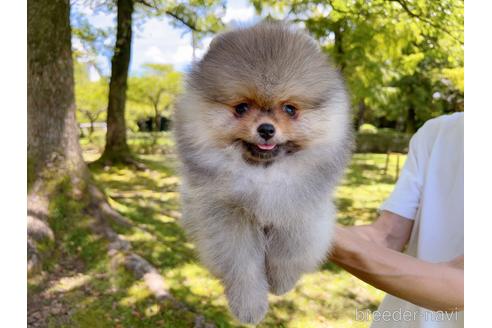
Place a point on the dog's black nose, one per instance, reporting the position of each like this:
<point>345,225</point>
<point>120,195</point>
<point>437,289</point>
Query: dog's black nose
<point>266,130</point>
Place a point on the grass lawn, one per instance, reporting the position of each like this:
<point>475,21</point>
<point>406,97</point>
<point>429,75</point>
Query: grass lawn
<point>99,294</point>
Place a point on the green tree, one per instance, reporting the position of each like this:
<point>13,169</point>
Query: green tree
<point>199,16</point>
<point>382,45</point>
<point>156,89</point>
<point>91,97</point>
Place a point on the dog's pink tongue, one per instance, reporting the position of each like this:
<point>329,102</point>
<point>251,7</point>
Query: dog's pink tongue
<point>265,146</point>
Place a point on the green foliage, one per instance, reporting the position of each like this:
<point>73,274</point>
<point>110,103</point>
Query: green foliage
<point>201,16</point>
<point>71,227</point>
<point>383,141</point>
<point>91,97</point>
<point>152,94</point>
<point>403,59</point>
<point>145,143</point>
<point>368,128</point>
<point>140,143</point>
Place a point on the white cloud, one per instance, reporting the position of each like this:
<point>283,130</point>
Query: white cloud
<point>154,54</point>
<point>177,56</point>
<point>239,14</point>
<point>183,54</point>
<point>158,42</point>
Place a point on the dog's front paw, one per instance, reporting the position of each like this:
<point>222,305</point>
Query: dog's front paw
<point>248,306</point>
<point>281,278</point>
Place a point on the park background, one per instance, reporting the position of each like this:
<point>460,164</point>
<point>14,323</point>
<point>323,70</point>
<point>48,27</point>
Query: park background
<point>104,246</point>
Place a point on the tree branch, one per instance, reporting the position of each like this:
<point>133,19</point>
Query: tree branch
<point>420,17</point>
<point>145,3</point>
<point>183,21</point>
<point>170,13</point>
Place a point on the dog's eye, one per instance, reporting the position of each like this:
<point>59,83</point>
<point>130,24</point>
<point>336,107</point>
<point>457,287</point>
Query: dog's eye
<point>241,108</point>
<point>289,109</point>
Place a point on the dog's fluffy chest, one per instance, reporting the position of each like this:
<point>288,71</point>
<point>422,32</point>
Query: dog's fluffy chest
<point>275,198</point>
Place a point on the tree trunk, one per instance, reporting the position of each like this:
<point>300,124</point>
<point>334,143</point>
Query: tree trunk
<point>116,149</point>
<point>339,51</point>
<point>157,119</point>
<point>53,151</point>
<point>360,114</point>
<point>52,132</point>
<point>411,120</point>
<point>91,129</point>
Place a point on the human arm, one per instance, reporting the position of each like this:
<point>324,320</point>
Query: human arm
<point>389,230</point>
<point>435,286</point>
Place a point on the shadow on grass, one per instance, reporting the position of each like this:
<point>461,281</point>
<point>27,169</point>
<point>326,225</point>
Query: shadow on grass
<point>205,305</point>
<point>101,298</point>
<point>112,297</point>
<point>169,249</point>
<point>330,266</point>
<point>343,204</point>
<point>368,169</point>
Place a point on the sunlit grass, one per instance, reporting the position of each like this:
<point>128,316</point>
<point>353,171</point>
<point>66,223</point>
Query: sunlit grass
<point>327,298</point>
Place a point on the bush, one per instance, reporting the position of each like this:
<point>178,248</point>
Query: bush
<point>368,128</point>
<point>145,143</point>
<point>382,141</point>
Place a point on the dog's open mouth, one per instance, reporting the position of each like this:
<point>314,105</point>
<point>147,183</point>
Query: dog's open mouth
<point>261,152</point>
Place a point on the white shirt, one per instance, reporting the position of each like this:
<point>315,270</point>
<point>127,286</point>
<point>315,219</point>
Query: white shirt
<point>430,192</point>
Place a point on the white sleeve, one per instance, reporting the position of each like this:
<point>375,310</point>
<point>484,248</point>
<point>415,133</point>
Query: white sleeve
<point>405,198</point>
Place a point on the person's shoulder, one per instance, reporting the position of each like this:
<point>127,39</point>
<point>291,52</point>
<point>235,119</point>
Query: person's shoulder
<point>434,126</point>
<point>443,121</point>
<point>432,130</point>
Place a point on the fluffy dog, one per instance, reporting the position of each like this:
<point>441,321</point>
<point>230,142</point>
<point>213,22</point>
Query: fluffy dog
<point>263,134</point>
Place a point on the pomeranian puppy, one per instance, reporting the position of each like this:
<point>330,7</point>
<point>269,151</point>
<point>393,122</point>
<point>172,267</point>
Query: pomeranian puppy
<point>263,134</point>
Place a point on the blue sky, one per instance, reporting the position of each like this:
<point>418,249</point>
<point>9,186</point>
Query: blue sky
<point>157,41</point>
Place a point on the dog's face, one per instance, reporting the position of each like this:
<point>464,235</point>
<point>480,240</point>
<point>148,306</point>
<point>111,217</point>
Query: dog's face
<point>268,91</point>
<point>264,129</point>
